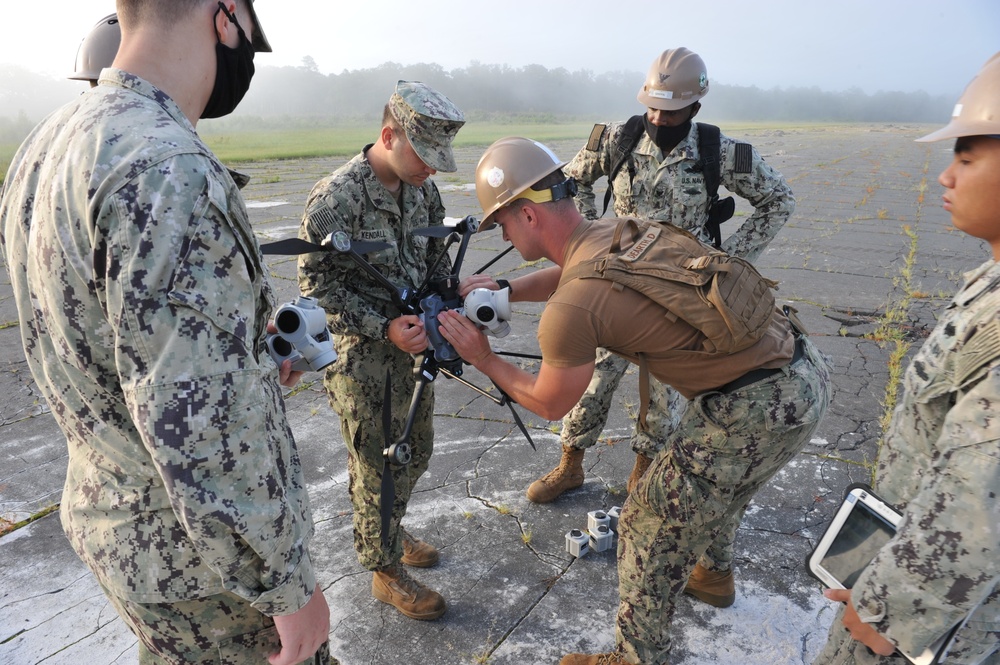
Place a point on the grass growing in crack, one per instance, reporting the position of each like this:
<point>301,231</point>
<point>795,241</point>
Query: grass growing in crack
<point>8,526</point>
<point>481,657</point>
<point>889,332</point>
<point>503,509</point>
<point>526,535</point>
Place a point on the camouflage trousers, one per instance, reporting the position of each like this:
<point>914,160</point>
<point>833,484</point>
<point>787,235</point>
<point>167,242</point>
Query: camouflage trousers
<point>726,446</point>
<point>357,398</point>
<point>583,425</point>
<point>218,630</point>
<point>976,643</point>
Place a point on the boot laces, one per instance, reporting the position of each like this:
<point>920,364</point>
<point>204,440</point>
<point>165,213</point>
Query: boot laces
<point>406,582</point>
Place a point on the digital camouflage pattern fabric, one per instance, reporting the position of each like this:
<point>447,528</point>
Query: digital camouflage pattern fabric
<point>669,188</point>
<point>143,303</point>
<point>725,447</point>
<point>940,465</point>
<point>358,309</point>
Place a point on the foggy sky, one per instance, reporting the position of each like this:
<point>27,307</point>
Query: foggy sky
<point>904,45</point>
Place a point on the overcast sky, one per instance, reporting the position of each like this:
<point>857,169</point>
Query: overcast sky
<point>905,45</point>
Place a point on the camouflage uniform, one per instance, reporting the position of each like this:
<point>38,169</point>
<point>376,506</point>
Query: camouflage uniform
<point>359,309</point>
<point>669,188</point>
<point>143,303</point>
<point>725,447</point>
<point>940,466</point>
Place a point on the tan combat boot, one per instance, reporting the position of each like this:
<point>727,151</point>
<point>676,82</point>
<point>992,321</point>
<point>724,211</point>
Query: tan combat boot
<point>713,587</point>
<point>417,553</point>
<point>641,464</point>
<point>394,586</point>
<point>596,659</point>
<point>566,476</point>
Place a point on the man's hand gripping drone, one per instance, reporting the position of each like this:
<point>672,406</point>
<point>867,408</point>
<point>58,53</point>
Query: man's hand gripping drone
<point>488,309</point>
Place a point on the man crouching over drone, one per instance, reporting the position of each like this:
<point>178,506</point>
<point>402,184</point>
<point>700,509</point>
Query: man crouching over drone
<point>382,195</point>
<point>753,403</point>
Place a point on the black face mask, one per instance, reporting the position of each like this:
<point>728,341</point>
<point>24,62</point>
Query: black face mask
<point>666,138</point>
<point>233,71</point>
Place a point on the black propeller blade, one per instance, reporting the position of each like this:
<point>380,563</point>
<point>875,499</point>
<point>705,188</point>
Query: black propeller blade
<point>295,246</point>
<point>388,495</point>
<point>434,231</point>
<point>468,224</point>
<point>291,247</point>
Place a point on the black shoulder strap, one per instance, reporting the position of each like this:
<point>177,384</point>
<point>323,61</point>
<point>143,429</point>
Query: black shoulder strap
<point>710,149</point>
<point>710,152</point>
<point>627,141</point>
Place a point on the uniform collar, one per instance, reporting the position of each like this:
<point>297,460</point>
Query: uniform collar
<point>121,79</point>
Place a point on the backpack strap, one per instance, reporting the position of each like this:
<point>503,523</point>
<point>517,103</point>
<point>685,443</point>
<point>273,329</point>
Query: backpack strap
<point>710,147</point>
<point>627,140</point>
<point>710,153</point>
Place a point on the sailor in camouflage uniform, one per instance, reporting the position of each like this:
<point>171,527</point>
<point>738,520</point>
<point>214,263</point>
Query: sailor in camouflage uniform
<point>940,460</point>
<point>750,409</point>
<point>383,194</point>
<point>143,303</point>
<point>663,179</point>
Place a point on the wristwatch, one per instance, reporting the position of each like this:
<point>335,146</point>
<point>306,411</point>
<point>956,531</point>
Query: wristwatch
<point>504,284</point>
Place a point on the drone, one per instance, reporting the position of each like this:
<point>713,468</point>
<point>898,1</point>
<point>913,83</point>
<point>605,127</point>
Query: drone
<point>482,306</point>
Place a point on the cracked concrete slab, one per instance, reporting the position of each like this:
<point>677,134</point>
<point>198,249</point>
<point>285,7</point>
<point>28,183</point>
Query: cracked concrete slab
<point>866,196</point>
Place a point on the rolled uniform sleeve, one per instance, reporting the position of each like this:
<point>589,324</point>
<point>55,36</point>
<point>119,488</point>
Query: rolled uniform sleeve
<point>745,173</point>
<point>942,563</point>
<point>589,166</point>
<point>189,300</point>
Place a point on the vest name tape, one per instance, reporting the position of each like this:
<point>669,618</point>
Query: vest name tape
<point>640,247</point>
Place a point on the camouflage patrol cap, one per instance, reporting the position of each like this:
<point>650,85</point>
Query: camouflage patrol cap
<point>430,121</point>
<point>977,112</point>
<point>98,49</point>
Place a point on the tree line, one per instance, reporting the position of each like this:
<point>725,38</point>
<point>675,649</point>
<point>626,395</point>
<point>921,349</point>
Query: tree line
<point>491,92</point>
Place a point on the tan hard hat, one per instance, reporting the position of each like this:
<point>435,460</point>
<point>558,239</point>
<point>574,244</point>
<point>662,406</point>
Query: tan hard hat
<point>977,112</point>
<point>507,170</point>
<point>98,49</point>
<point>676,79</point>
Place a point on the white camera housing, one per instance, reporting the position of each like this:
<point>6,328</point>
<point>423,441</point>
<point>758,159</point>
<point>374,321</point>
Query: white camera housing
<point>489,309</point>
<point>302,336</point>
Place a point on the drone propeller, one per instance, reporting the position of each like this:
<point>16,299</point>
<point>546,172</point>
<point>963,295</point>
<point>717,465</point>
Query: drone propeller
<point>434,231</point>
<point>295,246</point>
<point>388,496</point>
<point>468,224</point>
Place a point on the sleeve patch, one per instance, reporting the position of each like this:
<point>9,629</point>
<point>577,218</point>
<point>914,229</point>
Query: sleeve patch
<point>594,142</point>
<point>979,351</point>
<point>321,218</point>
<point>742,158</point>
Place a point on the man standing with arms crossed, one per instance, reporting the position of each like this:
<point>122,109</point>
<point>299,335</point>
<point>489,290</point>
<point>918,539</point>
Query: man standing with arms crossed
<point>143,303</point>
<point>664,175</point>
<point>382,195</point>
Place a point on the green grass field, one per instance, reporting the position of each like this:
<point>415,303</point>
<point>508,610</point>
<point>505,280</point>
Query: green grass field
<point>247,145</point>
